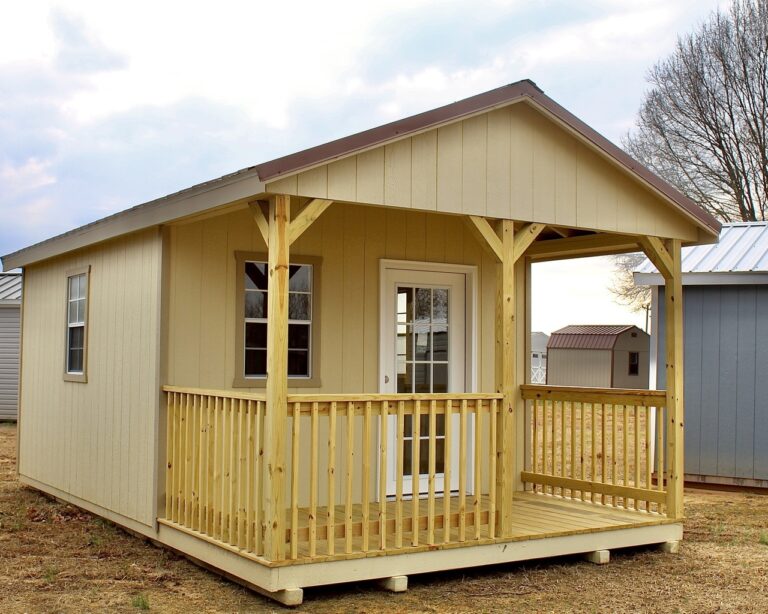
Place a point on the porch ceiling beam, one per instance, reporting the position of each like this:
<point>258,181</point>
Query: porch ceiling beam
<point>486,235</point>
<point>311,211</point>
<point>525,237</point>
<point>657,253</point>
<point>586,245</point>
<point>261,220</point>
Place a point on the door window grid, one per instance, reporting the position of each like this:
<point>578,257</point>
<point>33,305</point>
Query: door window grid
<point>422,363</point>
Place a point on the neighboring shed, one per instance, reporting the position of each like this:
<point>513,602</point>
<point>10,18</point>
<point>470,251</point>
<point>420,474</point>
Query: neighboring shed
<point>539,342</point>
<point>606,356</point>
<point>10,308</point>
<point>725,292</point>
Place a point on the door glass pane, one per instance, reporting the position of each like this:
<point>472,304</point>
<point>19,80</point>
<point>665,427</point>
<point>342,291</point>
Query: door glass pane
<point>422,334</point>
<point>440,378</point>
<point>422,377</point>
<point>423,305</point>
<point>440,305</point>
<point>405,378</point>
<point>440,342</point>
<point>405,305</point>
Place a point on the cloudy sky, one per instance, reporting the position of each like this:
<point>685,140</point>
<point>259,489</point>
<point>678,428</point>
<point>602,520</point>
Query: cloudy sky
<point>106,105</point>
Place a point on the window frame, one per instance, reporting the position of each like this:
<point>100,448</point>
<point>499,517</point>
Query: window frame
<point>630,364</point>
<point>77,376</point>
<point>240,380</point>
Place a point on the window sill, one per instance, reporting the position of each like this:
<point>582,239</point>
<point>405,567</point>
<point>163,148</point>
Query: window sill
<point>81,378</point>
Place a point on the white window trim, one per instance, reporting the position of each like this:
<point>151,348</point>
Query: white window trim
<point>77,376</point>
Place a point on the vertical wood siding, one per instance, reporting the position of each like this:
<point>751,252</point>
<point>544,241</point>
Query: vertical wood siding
<point>95,440</point>
<point>9,362</point>
<point>509,163</point>
<point>579,368</point>
<point>351,240</point>
<point>726,391</point>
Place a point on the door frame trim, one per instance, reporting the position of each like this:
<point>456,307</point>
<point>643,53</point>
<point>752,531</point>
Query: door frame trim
<point>470,311</point>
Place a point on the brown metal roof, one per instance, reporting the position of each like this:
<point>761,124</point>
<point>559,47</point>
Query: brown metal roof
<point>587,337</point>
<point>499,97</point>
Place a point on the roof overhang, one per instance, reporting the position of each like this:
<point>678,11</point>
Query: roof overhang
<point>706,279</point>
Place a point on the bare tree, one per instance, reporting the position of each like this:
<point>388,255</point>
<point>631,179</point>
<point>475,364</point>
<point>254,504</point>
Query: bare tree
<point>623,286</point>
<point>703,125</point>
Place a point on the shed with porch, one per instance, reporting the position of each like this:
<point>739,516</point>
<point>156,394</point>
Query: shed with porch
<point>291,371</point>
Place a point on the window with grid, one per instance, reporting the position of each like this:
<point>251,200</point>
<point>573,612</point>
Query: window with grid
<point>256,285</point>
<point>634,363</point>
<point>77,293</point>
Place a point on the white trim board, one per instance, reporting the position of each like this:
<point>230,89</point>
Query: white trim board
<point>706,279</point>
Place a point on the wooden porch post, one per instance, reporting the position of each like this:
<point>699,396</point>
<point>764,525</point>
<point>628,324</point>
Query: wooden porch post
<point>506,372</point>
<point>275,418</point>
<point>673,299</point>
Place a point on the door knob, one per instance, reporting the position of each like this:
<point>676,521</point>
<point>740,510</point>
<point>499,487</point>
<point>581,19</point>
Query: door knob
<point>386,379</point>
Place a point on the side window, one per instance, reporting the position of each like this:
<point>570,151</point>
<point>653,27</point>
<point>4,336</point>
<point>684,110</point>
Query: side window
<point>634,363</point>
<point>75,359</point>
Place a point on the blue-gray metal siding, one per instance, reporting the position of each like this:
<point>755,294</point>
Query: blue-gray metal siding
<point>9,362</point>
<point>726,380</point>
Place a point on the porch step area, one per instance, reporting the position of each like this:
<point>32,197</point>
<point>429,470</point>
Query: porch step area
<point>534,516</point>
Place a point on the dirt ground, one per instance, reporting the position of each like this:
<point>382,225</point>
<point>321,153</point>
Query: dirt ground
<point>55,558</point>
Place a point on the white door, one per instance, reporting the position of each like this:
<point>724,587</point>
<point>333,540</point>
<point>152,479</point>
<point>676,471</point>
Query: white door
<point>424,350</point>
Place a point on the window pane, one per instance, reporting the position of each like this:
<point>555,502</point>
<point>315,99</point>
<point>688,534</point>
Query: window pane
<point>440,342</point>
<point>423,305</point>
<point>298,336</point>
<point>74,284</point>
<point>300,278</point>
<point>404,305</point>
<point>72,315</point>
<point>75,361</point>
<point>440,305</point>
<point>299,307</point>
<point>298,363</point>
<point>256,276</point>
<point>255,363</point>
<point>422,378</point>
<point>255,335</point>
<point>422,342</point>
<point>76,337</point>
<point>439,378</point>
<point>404,379</point>
<point>255,304</point>
<point>80,310</point>
<point>83,286</point>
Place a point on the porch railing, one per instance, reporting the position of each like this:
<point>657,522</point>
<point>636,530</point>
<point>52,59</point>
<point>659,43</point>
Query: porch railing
<point>349,459</point>
<point>597,445</point>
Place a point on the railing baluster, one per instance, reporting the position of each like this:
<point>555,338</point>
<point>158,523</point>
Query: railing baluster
<point>563,444</point>
<point>648,457</point>
<point>314,477</point>
<point>660,424</point>
<point>492,471</point>
<point>432,470</point>
<point>572,472</point>
<point>295,459</point>
<point>593,429</point>
<point>212,464</point>
<point>233,477</point>
<point>258,511</point>
<point>399,476</point>
<point>535,440</point>
<point>463,471</point>
<point>249,477</point>
<point>582,448</point>
<point>366,494</point>
<point>544,444</point>
<point>603,449</point>
<point>170,443</point>
<point>625,481</point>
<point>447,460</point>
<point>415,471</point>
<point>614,455</point>
<point>349,450</point>
<point>478,481</point>
<point>331,510</point>
<point>383,468</point>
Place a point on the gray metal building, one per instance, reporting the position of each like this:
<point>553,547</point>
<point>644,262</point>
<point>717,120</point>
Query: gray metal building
<point>725,294</point>
<point>10,312</point>
<point>599,355</point>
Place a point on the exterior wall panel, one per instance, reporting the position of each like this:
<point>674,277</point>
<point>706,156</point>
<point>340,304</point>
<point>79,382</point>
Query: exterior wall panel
<point>579,368</point>
<point>9,361</point>
<point>726,395</point>
<point>95,440</point>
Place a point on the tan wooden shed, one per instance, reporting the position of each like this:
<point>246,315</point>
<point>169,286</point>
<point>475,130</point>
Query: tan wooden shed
<point>599,355</point>
<point>314,370</point>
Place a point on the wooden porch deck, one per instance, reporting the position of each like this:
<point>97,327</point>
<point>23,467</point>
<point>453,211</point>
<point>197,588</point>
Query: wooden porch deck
<point>535,516</point>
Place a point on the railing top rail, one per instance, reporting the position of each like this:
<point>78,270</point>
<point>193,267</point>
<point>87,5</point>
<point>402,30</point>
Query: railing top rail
<point>610,396</point>
<point>363,397</point>
<point>227,394</point>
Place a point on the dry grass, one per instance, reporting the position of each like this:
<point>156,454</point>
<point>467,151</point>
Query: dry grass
<point>55,558</point>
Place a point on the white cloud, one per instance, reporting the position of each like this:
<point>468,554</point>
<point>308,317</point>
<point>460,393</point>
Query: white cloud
<point>29,176</point>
